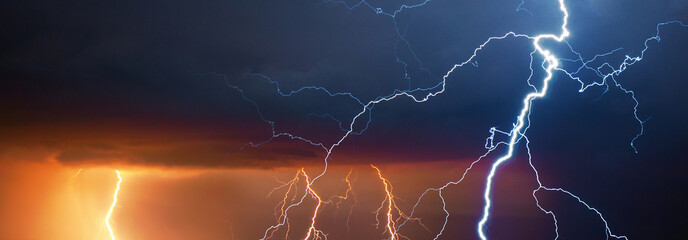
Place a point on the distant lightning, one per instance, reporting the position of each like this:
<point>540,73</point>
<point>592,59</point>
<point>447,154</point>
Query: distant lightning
<point>291,185</point>
<point>348,193</point>
<point>521,8</point>
<point>112,207</point>
<point>78,172</point>
<point>388,205</point>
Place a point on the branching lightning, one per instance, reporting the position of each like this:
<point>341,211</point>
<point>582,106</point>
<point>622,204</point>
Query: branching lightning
<point>283,206</point>
<point>389,201</point>
<point>348,194</point>
<point>515,133</point>
<point>550,64</point>
<point>317,234</point>
<point>78,172</point>
<point>389,205</point>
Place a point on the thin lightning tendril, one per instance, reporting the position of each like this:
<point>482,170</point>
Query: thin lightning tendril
<point>291,185</point>
<point>349,193</point>
<point>78,172</point>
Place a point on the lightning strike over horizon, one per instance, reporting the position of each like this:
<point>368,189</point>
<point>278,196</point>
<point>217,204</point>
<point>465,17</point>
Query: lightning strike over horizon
<point>112,207</point>
<point>550,51</point>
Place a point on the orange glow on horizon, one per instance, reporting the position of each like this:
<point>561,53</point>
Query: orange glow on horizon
<point>46,200</point>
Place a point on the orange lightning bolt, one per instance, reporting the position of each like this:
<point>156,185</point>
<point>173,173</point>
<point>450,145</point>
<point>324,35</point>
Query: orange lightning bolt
<point>317,234</point>
<point>391,205</point>
<point>112,207</point>
<point>337,199</point>
<point>349,191</point>
<point>389,198</point>
<point>283,214</point>
<point>291,186</point>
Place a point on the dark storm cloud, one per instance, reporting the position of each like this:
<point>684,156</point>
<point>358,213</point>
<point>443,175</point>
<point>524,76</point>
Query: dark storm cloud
<point>196,155</point>
<point>149,145</point>
<point>137,65</point>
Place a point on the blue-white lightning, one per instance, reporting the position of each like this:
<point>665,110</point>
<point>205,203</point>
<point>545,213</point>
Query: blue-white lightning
<point>515,133</point>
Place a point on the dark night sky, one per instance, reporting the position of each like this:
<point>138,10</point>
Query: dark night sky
<point>93,81</point>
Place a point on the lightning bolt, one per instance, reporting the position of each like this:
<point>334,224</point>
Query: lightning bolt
<point>389,199</point>
<point>515,132</point>
<point>112,207</point>
<point>338,199</point>
<point>391,207</point>
<point>550,64</point>
<point>283,218</point>
<point>317,234</point>
<point>292,186</point>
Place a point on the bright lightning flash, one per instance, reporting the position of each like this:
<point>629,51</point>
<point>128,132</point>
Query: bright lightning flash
<point>515,133</point>
<point>112,207</point>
